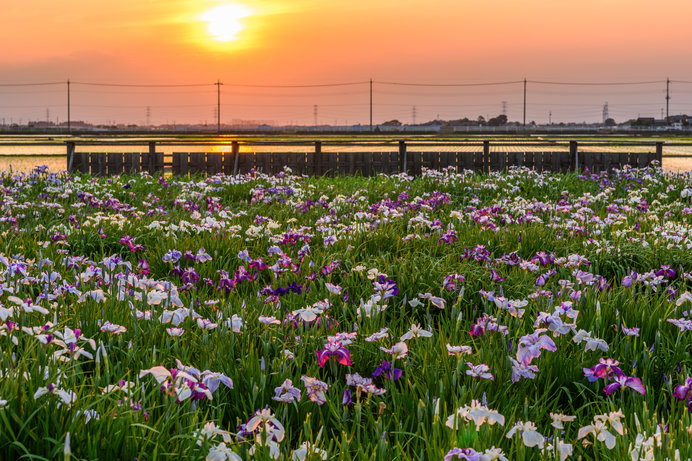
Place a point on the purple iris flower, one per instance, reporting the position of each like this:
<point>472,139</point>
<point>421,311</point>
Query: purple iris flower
<point>476,330</point>
<point>683,392</point>
<point>190,275</point>
<point>467,454</point>
<point>388,370</point>
<point>604,369</point>
<point>448,237</point>
<point>387,288</point>
<point>622,382</point>
<point>143,266</point>
<point>197,390</point>
<point>130,243</point>
<point>347,397</point>
<point>258,264</point>
<point>530,346</point>
<point>287,393</point>
<point>543,278</point>
<point>543,258</point>
<point>672,293</point>
<point>335,348</point>
<point>512,259</point>
<point>495,277</point>
<point>450,282</point>
<point>329,268</point>
<point>666,271</point>
<point>628,280</point>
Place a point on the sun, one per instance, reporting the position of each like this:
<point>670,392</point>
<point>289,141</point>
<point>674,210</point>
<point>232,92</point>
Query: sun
<point>224,22</point>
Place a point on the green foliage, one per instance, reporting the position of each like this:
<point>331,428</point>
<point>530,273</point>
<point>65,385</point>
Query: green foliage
<point>630,221</point>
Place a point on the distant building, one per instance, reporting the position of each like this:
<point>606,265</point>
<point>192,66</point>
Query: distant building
<point>681,119</point>
<point>645,121</point>
<point>41,125</point>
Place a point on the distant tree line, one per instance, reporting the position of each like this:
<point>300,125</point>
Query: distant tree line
<point>500,120</point>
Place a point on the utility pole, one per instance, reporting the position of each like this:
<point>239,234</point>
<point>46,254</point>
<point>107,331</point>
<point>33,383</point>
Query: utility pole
<point>218,107</point>
<point>667,100</point>
<point>370,104</point>
<point>68,107</point>
<point>524,101</point>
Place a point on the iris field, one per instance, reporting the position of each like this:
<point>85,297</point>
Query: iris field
<point>512,316</point>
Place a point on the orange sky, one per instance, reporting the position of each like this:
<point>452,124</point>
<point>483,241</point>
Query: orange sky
<point>309,41</point>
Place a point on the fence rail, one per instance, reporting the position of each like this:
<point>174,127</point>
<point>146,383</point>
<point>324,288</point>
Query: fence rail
<point>191,158</point>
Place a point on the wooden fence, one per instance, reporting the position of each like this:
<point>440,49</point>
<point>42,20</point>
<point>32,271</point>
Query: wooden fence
<point>477,157</point>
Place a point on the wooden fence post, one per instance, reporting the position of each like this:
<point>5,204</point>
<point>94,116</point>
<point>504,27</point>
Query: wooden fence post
<point>486,156</point>
<point>235,149</point>
<point>70,155</point>
<point>574,155</point>
<point>659,153</point>
<point>402,157</point>
<point>317,161</point>
<point>151,158</point>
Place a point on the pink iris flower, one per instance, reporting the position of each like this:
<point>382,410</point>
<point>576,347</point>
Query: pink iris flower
<point>335,348</point>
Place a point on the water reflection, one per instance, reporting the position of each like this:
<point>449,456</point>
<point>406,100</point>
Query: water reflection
<point>17,153</point>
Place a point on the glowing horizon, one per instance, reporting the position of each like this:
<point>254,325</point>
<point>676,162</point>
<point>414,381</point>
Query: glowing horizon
<point>309,42</point>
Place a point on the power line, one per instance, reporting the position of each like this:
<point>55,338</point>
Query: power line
<point>319,85</point>
<point>449,84</point>
<point>127,85</point>
<point>138,106</point>
<point>595,83</point>
<point>32,84</point>
<point>540,93</point>
<point>248,85</point>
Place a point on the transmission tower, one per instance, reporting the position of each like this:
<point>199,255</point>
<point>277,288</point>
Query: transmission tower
<point>148,115</point>
<point>47,114</point>
<point>504,108</point>
<point>314,113</point>
<point>605,112</point>
<point>667,101</point>
<point>414,115</point>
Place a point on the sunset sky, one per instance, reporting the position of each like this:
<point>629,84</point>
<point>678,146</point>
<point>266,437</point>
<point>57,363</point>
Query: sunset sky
<point>306,42</point>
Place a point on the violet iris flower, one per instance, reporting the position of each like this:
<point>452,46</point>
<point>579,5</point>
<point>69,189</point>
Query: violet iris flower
<point>495,277</point>
<point>335,348</point>
<point>630,279</point>
<point>683,392</point>
<point>347,397</point>
<point>530,346</point>
<point>604,369</point>
<point>387,369</point>
<point>543,258</point>
<point>543,278</point>
<point>287,393</point>
<point>622,382</point>
<point>666,271</point>
<point>143,266</point>
<point>467,454</point>
<point>386,288</point>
